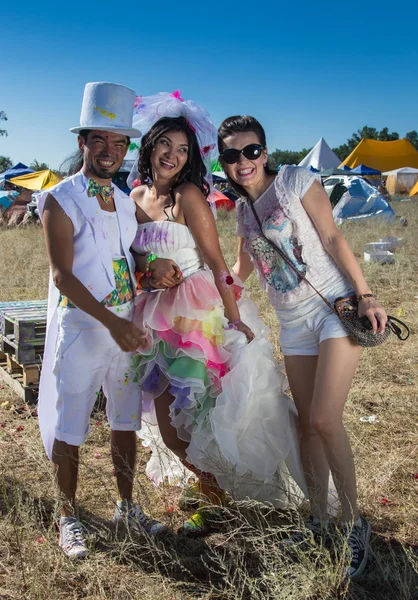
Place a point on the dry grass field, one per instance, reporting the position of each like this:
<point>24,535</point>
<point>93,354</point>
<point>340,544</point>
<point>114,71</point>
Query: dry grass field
<point>246,560</point>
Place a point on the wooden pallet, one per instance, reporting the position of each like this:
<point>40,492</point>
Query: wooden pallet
<point>22,333</point>
<point>22,379</point>
<point>23,330</point>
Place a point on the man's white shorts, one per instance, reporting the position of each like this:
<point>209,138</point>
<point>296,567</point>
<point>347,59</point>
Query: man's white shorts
<point>88,359</point>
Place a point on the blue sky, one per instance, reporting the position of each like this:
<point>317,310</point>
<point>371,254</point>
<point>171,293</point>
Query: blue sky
<point>304,69</point>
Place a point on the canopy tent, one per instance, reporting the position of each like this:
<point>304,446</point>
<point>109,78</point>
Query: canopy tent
<point>321,157</point>
<point>334,171</point>
<point>16,171</point>
<point>373,176</point>
<point>363,170</point>
<point>40,180</point>
<point>361,201</point>
<point>401,181</point>
<point>382,155</point>
<point>414,190</point>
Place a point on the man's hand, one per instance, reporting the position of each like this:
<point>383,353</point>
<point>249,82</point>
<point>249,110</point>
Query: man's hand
<point>165,274</point>
<point>125,333</point>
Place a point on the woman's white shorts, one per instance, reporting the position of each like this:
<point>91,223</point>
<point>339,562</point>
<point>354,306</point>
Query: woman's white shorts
<point>304,338</point>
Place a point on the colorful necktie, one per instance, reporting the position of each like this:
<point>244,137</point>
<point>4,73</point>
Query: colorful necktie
<point>105,191</point>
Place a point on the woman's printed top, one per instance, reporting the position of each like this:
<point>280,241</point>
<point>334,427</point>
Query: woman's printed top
<point>286,223</point>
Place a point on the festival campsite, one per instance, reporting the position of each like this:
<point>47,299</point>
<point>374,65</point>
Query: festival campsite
<point>208,361</point>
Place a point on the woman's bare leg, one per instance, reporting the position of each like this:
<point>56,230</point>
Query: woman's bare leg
<point>337,363</point>
<point>208,485</point>
<point>301,372</point>
<point>167,429</point>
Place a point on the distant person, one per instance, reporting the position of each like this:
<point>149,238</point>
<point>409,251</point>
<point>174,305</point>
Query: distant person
<point>383,190</point>
<point>295,214</point>
<point>89,227</point>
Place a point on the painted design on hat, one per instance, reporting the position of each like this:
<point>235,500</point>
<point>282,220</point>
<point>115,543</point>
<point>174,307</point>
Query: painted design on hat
<point>104,112</point>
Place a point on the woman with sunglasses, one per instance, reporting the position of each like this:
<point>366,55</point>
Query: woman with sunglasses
<point>291,209</point>
<point>216,399</point>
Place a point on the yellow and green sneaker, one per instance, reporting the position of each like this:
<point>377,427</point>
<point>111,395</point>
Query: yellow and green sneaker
<point>203,522</point>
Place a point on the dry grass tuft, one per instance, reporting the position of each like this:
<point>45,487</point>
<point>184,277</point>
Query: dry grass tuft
<point>247,560</point>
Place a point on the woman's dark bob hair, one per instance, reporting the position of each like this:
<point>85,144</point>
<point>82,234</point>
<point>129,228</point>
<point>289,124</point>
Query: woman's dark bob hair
<point>194,171</point>
<point>242,124</point>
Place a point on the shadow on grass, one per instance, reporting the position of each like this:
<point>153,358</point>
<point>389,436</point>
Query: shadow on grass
<point>244,560</point>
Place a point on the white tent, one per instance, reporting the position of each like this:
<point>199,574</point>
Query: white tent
<point>321,157</point>
<point>401,181</point>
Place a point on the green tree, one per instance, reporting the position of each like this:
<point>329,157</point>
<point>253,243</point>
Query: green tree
<point>412,136</point>
<point>385,136</point>
<point>37,166</point>
<point>5,163</point>
<point>287,157</point>
<point>3,118</point>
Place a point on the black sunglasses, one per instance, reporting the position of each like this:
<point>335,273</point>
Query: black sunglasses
<point>252,151</point>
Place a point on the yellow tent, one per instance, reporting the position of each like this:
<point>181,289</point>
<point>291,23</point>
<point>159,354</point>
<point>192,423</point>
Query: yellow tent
<point>414,190</point>
<point>383,156</point>
<point>40,180</point>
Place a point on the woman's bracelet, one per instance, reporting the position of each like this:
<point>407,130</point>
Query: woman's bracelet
<point>362,296</point>
<point>234,324</point>
<point>150,259</point>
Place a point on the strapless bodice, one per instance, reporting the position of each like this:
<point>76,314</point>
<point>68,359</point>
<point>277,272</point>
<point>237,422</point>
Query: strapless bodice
<point>168,239</point>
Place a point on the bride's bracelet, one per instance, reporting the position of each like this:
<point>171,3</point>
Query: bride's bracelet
<point>234,324</point>
<point>150,259</point>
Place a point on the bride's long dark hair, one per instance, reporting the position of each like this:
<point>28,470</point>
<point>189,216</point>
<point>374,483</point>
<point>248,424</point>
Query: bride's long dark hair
<point>194,171</point>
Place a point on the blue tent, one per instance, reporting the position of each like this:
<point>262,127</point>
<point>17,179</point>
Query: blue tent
<point>363,170</point>
<point>361,201</point>
<point>16,171</point>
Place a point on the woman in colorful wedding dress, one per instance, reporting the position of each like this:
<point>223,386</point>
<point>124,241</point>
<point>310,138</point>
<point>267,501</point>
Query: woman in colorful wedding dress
<point>208,376</point>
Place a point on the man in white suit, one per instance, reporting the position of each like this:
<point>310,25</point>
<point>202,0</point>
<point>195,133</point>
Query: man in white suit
<point>89,227</point>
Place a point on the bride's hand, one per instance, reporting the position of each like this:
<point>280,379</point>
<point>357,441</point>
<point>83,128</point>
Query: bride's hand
<point>246,330</point>
<point>165,273</point>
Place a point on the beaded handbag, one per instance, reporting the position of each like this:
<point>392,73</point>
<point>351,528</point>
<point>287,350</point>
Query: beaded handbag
<point>358,328</point>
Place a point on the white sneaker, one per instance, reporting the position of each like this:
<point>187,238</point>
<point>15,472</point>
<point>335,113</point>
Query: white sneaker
<point>71,539</point>
<point>136,520</point>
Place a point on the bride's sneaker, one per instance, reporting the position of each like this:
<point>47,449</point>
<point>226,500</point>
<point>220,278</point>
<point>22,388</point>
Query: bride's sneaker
<point>132,516</point>
<point>191,497</point>
<point>71,539</point>
<point>358,537</point>
<point>203,522</point>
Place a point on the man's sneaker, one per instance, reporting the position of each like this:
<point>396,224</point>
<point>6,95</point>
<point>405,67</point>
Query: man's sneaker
<point>137,521</point>
<point>71,539</point>
<point>313,531</point>
<point>358,537</point>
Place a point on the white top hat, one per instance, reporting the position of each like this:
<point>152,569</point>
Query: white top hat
<point>108,107</point>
